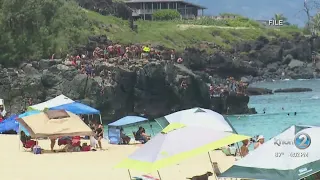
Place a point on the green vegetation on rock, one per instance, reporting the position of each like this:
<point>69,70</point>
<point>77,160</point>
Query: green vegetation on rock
<point>34,29</point>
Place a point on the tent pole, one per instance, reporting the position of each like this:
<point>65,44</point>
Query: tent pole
<point>159,175</point>
<point>100,119</point>
<point>151,127</point>
<point>159,124</point>
<point>212,165</point>
<point>19,134</point>
<point>129,174</point>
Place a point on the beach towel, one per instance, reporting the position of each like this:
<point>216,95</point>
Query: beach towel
<point>145,177</point>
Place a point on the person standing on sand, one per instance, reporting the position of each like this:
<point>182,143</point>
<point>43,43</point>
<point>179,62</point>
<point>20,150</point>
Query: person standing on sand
<point>260,141</point>
<point>99,135</point>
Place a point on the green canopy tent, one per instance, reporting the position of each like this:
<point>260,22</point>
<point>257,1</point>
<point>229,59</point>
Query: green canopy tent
<point>280,159</point>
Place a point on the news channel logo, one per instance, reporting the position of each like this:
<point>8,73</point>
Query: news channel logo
<point>302,141</point>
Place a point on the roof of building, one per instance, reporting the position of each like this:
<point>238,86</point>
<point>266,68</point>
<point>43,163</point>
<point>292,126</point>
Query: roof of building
<point>188,3</point>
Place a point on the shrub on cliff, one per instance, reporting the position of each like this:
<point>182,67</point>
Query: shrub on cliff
<point>33,29</point>
<point>165,15</point>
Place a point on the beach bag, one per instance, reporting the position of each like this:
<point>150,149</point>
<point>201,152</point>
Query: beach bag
<point>36,149</point>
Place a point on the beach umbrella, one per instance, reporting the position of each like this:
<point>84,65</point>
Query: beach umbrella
<point>175,143</point>
<point>288,156</point>
<point>198,117</point>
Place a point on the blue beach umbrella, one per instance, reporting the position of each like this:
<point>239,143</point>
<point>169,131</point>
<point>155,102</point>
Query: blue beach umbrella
<point>9,124</point>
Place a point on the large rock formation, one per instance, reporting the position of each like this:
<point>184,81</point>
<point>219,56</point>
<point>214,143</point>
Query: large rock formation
<point>260,59</point>
<point>150,88</point>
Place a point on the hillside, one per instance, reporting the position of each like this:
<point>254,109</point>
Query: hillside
<point>36,29</point>
<point>182,34</point>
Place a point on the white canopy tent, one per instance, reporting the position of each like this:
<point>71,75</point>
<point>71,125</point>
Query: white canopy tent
<point>64,100</point>
<point>57,101</point>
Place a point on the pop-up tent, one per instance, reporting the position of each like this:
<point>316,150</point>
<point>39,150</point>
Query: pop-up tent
<point>114,128</point>
<point>55,123</point>
<point>291,155</point>
<point>62,102</point>
<point>198,117</point>
<point>28,113</point>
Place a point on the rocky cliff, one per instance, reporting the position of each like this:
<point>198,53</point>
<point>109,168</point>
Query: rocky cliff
<point>153,88</point>
<point>149,88</point>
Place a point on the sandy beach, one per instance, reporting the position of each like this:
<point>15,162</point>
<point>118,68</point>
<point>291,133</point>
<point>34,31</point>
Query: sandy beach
<point>18,164</point>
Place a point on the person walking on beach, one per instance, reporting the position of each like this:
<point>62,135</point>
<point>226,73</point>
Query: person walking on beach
<point>260,141</point>
<point>99,135</point>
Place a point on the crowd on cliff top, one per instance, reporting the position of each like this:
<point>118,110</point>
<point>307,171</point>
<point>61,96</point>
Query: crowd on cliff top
<point>123,55</point>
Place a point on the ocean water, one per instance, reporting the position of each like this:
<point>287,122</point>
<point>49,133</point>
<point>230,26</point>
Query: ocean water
<point>275,120</point>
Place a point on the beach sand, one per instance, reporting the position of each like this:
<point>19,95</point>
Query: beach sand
<point>18,164</point>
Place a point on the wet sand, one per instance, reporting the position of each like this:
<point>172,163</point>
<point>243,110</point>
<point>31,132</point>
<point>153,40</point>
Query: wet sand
<point>18,164</point>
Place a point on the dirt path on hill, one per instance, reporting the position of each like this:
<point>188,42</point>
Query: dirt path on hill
<point>188,26</point>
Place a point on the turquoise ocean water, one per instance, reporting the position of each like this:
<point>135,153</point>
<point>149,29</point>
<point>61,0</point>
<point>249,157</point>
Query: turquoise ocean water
<point>275,120</point>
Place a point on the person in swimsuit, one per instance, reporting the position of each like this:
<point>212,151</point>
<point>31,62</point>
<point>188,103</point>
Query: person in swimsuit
<point>99,135</point>
<point>244,148</point>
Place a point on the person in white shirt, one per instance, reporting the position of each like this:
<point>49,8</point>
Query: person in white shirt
<point>260,141</point>
<point>2,111</point>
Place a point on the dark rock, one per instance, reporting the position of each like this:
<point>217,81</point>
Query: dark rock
<point>251,91</point>
<point>288,90</point>
<point>149,88</point>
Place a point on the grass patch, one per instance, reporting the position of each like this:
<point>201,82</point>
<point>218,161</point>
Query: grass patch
<point>172,35</point>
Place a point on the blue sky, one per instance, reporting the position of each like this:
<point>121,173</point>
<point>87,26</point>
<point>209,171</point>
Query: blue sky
<point>257,9</point>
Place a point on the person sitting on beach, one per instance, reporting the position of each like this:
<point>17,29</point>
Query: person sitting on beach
<point>244,148</point>
<point>145,135</point>
<point>26,140</point>
<point>139,135</point>
<point>260,141</point>
<point>85,147</point>
<point>125,139</point>
<point>99,135</point>
<point>229,150</point>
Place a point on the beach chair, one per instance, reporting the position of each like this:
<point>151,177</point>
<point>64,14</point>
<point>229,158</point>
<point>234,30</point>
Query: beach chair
<point>144,177</point>
<point>217,171</point>
<point>228,151</point>
<point>28,144</point>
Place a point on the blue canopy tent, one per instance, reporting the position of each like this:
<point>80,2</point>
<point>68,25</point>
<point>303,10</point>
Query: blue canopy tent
<point>9,124</point>
<point>114,128</point>
<point>77,108</point>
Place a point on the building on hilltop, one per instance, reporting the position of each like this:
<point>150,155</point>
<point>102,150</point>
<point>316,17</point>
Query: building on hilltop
<point>145,8</point>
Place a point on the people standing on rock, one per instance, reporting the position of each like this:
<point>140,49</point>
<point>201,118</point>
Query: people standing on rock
<point>105,53</point>
<point>184,84</point>
<point>180,60</point>
<point>89,70</point>
<point>173,55</point>
<point>110,50</point>
<point>211,90</point>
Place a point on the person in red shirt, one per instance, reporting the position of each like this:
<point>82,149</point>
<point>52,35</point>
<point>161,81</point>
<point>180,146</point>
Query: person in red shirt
<point>1,118</point>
